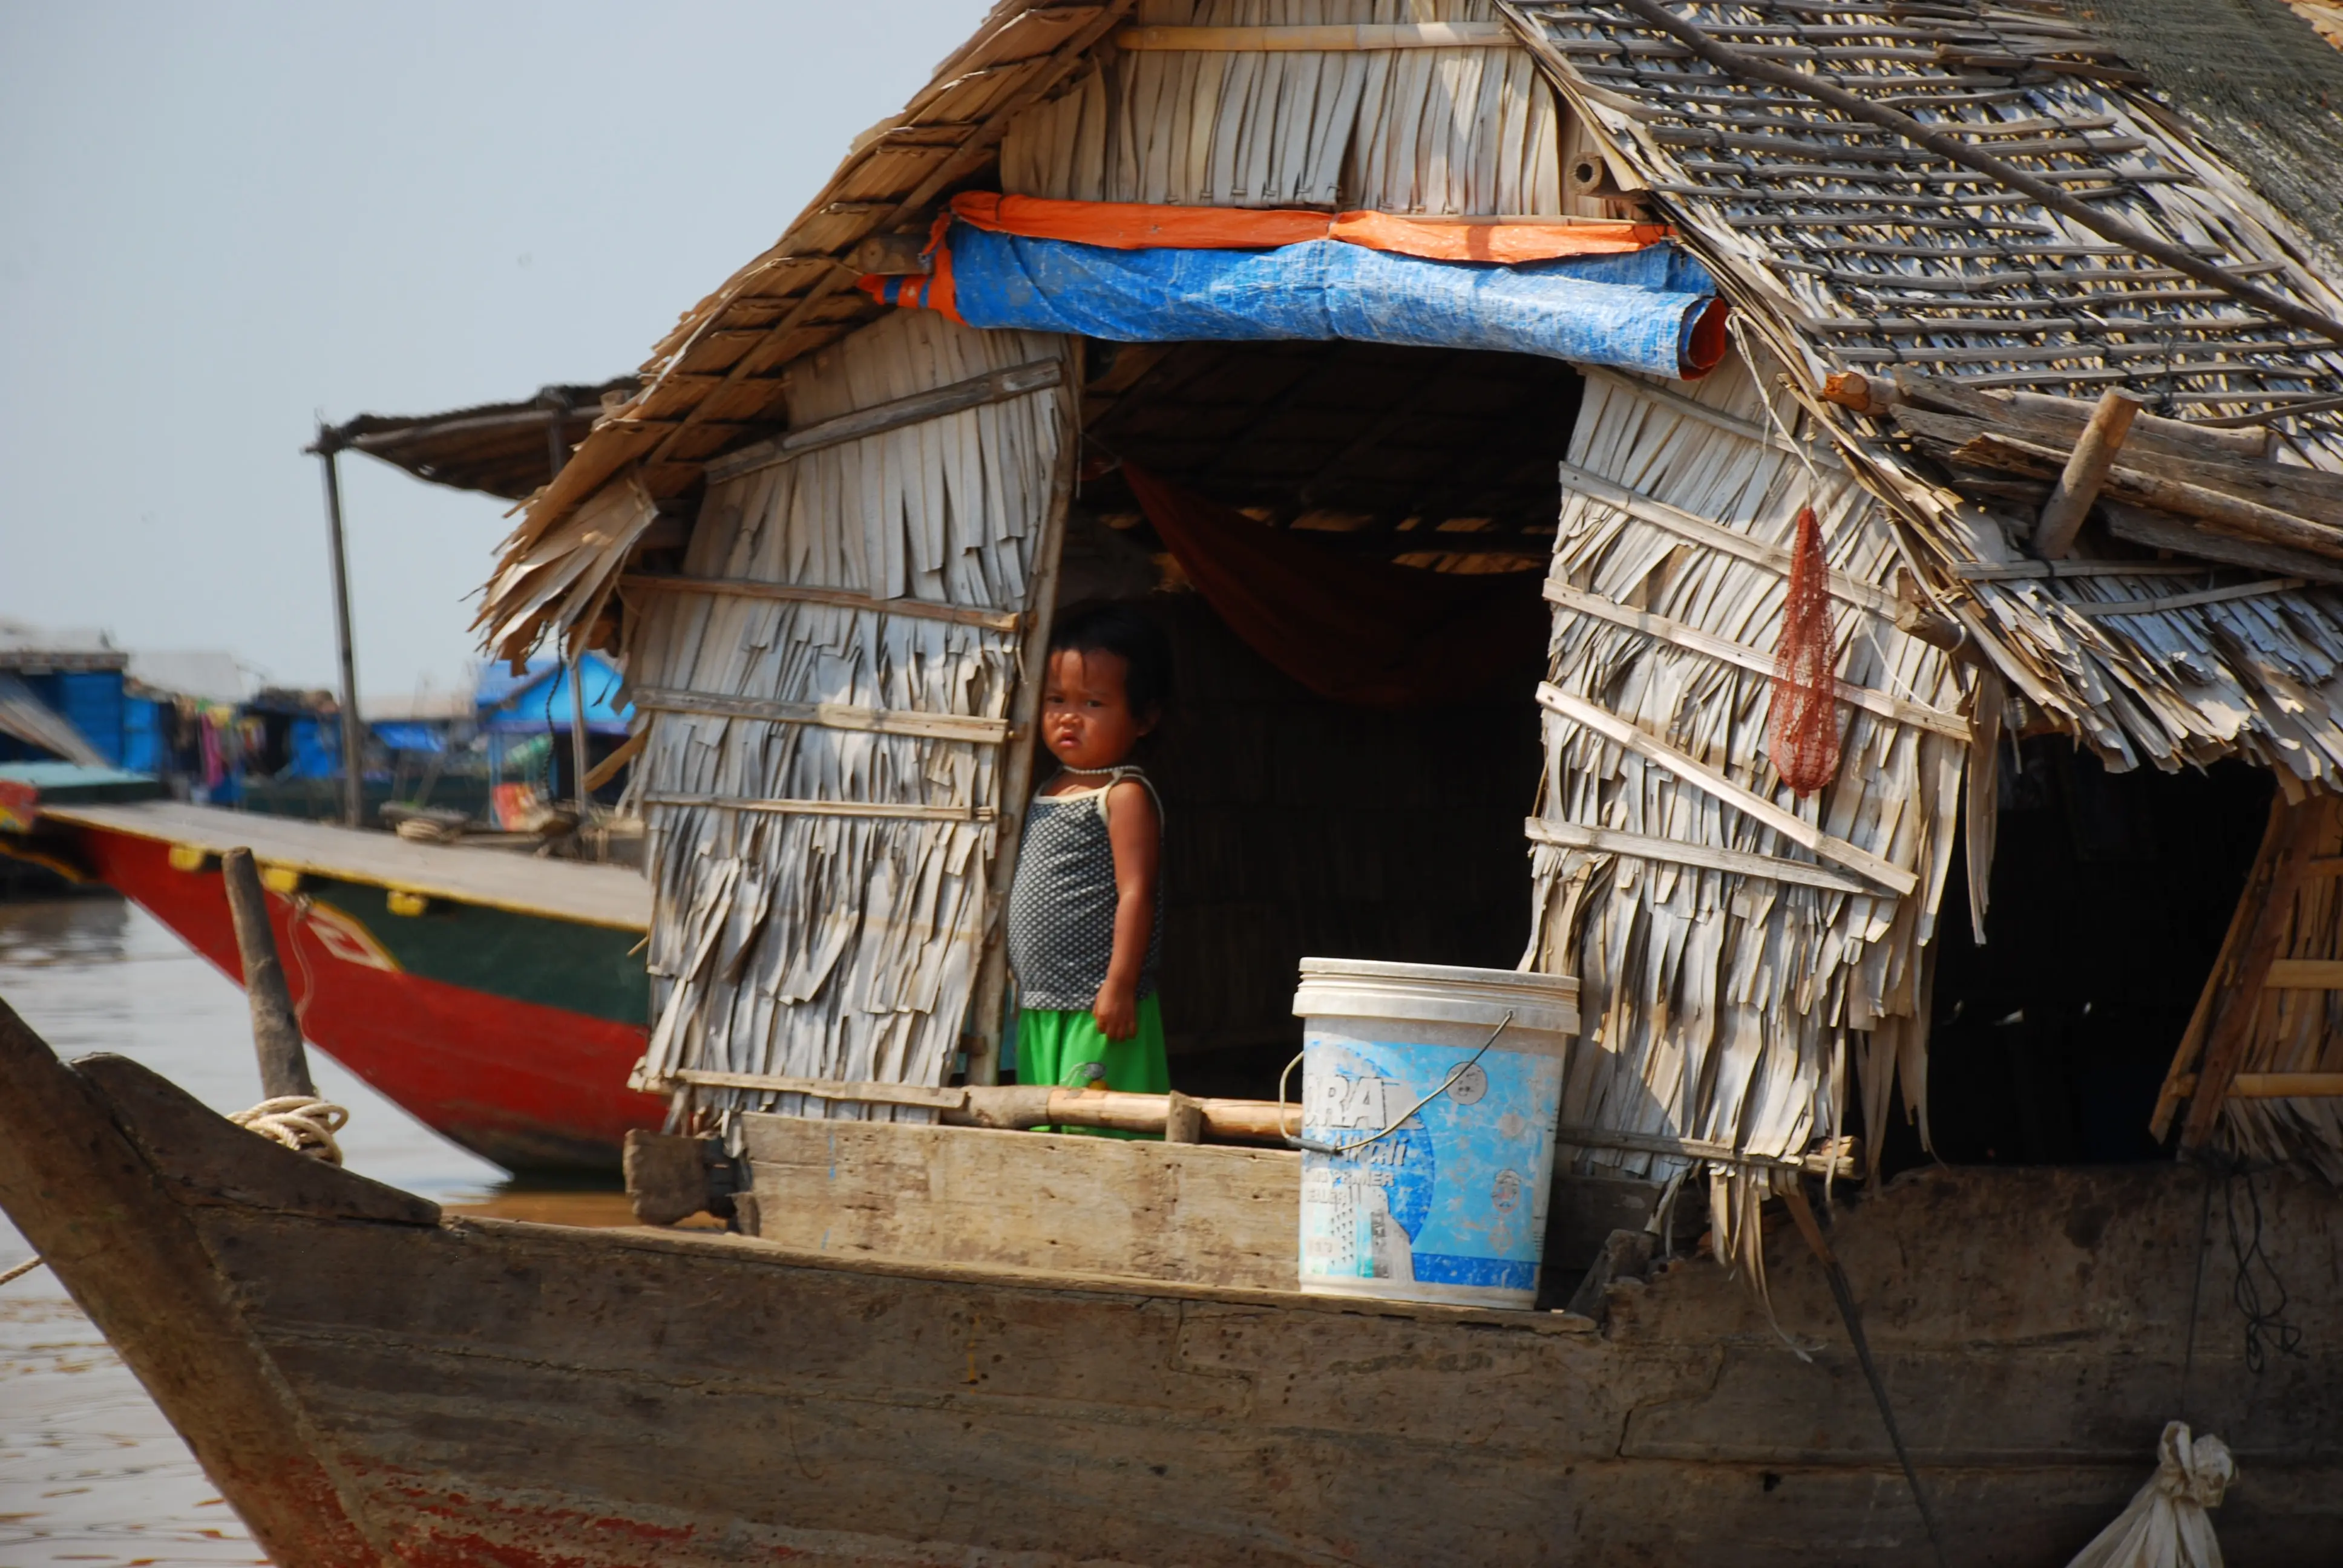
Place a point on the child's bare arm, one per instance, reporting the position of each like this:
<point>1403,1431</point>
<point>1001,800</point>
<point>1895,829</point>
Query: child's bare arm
<point>1134,830</point>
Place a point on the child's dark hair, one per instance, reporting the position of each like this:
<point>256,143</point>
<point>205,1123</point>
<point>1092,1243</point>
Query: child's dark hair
<point>1107,626</point>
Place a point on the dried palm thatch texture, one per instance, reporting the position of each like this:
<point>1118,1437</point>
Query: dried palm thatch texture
<point>822,880</point>
<point>1471,130</point>
<point>720,377</point>
<point>1728,970</point>
<point>1846,245</point>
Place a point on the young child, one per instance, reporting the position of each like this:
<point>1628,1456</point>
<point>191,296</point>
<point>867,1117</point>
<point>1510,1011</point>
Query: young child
<point>1085,911</point>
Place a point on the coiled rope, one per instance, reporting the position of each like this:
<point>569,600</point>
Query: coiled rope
<point>302,1122</point>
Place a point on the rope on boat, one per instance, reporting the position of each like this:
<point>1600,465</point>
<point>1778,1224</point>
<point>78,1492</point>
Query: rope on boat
<point>20,1270</point>
<point>302,1122</point>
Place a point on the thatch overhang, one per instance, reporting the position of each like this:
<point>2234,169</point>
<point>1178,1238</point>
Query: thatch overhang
<point>504,449</point>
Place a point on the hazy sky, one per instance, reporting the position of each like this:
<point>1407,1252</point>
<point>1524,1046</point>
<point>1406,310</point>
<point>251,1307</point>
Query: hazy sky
<point>218,221</point>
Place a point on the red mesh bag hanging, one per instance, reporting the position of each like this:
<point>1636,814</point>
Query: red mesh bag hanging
<point>1802,730</point>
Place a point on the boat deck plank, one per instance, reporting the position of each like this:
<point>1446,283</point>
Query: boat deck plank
<point>559,889</point>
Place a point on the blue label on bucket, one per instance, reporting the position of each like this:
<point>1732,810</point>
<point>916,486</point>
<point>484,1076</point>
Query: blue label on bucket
<point>1453,1197</point>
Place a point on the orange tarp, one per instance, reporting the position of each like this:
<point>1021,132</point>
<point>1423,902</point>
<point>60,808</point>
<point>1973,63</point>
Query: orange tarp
<point>1139,226</point>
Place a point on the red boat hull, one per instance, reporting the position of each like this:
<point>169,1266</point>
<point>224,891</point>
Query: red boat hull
<point>529,1084</point>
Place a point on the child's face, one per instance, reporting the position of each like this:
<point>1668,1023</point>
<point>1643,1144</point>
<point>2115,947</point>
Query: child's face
<point>1086,716</point>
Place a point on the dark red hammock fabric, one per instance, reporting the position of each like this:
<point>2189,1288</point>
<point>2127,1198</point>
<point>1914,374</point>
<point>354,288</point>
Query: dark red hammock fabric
<point>1802,729</point>
<point>1354,630</point>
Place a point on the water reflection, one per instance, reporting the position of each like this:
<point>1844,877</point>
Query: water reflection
<point>89,1469</point>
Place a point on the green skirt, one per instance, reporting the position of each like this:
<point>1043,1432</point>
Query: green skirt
<point>1065,1049</point>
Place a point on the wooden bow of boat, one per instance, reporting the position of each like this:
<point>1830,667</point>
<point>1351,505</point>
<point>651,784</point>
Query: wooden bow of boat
<point>373,1383</point>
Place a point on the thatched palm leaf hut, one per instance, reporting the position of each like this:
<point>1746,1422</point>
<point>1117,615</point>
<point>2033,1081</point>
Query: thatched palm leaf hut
<point>828,531</point>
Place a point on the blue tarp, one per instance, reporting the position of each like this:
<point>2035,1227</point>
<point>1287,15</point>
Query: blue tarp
<point>407,736</point>
<point>539,699</point>
<point>316,747</point>
<point>1636,311</point>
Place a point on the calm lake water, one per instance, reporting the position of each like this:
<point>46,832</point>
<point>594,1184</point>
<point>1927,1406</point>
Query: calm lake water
<point>89,1469</point>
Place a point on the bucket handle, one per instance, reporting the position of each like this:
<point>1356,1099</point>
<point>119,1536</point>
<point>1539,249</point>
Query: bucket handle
<point>1313,1146</point>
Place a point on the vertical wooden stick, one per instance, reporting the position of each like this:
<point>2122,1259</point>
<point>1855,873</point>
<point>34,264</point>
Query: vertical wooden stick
<point>2086,471</point>
<point>275,1033</point>
<point>327,445</point>
<point>1983,799</point>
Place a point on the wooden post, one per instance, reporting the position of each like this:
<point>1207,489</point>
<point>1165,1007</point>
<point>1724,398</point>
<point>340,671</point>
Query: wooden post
<point>578,771</point>
<point>1024,721</point>
<point>2270,892</point>
<point>328,446</point>
<point>2086,471</point>
<point>556,458</point>
<point>276,1031</point>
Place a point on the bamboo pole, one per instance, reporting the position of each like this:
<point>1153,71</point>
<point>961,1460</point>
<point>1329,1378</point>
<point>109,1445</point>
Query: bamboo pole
<point>2086,471</point>
<point>276,1030</point>
<point>557,456</point>
<point>329,447</point>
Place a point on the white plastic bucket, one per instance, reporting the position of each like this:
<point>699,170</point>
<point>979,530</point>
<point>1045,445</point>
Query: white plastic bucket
<point>1451,1206</point>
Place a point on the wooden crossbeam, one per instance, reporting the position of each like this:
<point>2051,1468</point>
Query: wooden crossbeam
<point>1707,857</point>
<point>977,391</point>
<point>2277,1085</point>
<point>829,715</point>
<point>1757,660</point>
<point>879,810</point>
<point>1701,531</point>
<point>843,598</point>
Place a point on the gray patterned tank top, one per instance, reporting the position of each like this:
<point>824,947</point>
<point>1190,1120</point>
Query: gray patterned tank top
<point>1061,904</point>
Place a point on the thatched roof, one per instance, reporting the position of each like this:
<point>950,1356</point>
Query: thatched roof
<point>1847,245</point>
<point>2251,76</point>
<point>1843,245</point>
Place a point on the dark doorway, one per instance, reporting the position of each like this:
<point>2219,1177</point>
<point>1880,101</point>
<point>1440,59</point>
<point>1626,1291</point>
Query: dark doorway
<point>2111,893</point>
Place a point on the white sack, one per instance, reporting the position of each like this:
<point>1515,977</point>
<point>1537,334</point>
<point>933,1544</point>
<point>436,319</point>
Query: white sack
<point>2165,1524</point>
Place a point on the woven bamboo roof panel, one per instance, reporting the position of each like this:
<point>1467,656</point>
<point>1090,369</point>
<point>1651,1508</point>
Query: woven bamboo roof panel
<point>1846,247</point>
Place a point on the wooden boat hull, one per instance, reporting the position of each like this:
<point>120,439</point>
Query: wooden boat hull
<point>509,1031</point>
<point>371,1383</point>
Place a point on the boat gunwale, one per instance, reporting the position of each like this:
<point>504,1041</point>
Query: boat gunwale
<point>104,819</point>
<point>756,1249</point>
